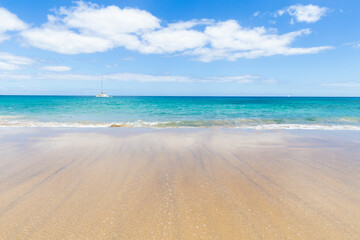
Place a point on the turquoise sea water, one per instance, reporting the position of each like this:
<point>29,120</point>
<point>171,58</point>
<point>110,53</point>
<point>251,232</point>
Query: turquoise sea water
<point>243,112</point>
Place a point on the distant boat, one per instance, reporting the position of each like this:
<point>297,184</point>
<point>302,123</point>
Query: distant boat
<point>102,93</point>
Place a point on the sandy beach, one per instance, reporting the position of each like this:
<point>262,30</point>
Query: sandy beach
<point>178,184</point>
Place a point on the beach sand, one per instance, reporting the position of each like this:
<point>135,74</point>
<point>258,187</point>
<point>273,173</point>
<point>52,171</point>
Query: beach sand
<point>178,184</point>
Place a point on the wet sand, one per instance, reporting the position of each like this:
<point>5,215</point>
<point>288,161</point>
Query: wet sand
<point>179,184</point>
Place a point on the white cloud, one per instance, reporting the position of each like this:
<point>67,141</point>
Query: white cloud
<point>168,40</point>
<point>228,40</point>
<point>9,22</point>
<point>12,62</point>
<point>89,28</point>
<point>137,77</point>
<point>176,37</point>
<point>108,21</point>
<point>64,41</point>
<point>57,68</point>
<point>304,13</point>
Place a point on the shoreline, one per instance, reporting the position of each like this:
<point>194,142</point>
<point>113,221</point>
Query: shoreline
<point>156,125</point>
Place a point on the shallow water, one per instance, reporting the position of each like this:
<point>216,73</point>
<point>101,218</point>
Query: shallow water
<point>246,112</point>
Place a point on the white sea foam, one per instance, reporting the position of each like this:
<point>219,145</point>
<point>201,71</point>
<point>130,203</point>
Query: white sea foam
<point>302,126</point>
<point>16,121</point>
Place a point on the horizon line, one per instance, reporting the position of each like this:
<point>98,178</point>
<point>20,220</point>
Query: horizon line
<point>275,96</point>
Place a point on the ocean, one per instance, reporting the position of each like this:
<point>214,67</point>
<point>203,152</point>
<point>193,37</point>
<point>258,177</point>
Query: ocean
<point>330,113</point>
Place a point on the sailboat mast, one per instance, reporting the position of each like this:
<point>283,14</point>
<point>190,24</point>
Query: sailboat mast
<point>102,77</point>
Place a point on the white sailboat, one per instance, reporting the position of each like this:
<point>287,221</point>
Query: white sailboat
<point>102,93</point>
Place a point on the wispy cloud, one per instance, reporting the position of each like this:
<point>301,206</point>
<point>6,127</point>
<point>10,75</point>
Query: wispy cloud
<point>13,62</point>
<point>57,68</point>
<point>137,77</point>
<point>353,44</point>
<point>89,28</point>
<point>342,84</point>
<point>256,14</point>
<point>130,58</point>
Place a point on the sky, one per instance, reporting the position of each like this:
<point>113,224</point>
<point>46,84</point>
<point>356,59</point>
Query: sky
<point>187,47</point>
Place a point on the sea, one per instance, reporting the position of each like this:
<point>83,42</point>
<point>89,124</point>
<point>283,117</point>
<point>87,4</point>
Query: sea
<point>328,113</point>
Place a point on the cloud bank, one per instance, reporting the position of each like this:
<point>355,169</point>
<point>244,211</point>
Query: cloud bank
<point>90,28</point>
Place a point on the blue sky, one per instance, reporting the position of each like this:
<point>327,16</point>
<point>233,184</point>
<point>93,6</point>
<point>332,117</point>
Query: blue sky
<point>171,47</point>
